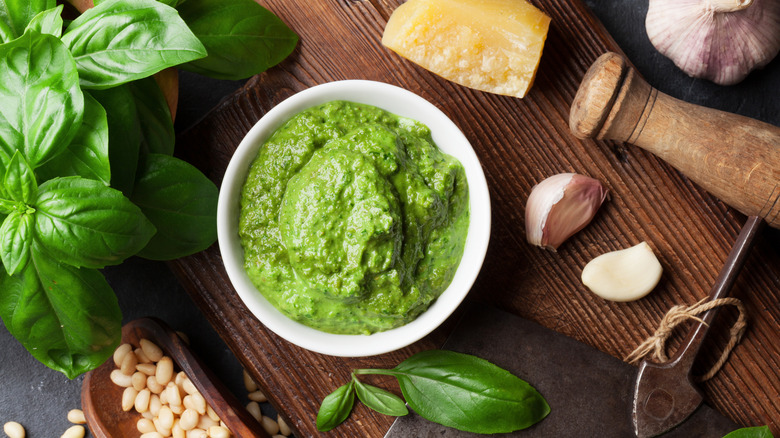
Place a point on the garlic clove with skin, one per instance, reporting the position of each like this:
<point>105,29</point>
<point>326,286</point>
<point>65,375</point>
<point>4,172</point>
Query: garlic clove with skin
<point>560,206</point>
<point>718,40</point>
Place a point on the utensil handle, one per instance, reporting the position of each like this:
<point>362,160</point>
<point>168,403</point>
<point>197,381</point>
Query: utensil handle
<point>735,158</point>
<point>728,274</point>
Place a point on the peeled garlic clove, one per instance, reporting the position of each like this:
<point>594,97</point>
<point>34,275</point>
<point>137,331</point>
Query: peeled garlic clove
<point>560,206</point>
<point>719,40</point>
<point>624,275</point>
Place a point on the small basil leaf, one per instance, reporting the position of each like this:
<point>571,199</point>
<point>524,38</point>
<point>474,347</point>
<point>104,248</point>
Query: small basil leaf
<point>41,104</point>
<point>19,181</point>
<point>751,432</point>
<point>124,135</point>
<point>17,13</point>
<point>181,203</point>
<point>87,154</point>
<point>335,408</point>
<point>48,21</point>
<point>84,223</point>
<point>378,399</point>
<point>15,238</point>
<point>158,136</point>
<point>119,41</point>
<point>468,393</point>
<point>242,37</point>
<point>6,206</point>
<point>67,318</point>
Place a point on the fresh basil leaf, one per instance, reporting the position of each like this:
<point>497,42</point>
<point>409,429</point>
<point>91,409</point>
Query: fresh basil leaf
<point>41,104</point>
<point>468,393</point>
<point>48,21</point>
<point>87,154</point>
<point>158,136</point>
<point>6,207</point>
<point>181,203</point>
<point>751,432</point>
<point>335,408</point>
<point>378,399</point>
<point>19,181</point>
<point>242,37</point>
<point>17,13</point>
<point>6,33</point>
<point>67,318</point>
<point>15,239</point>
<point>83,223</point>
<point>124,135</point>
<point>119,41</point>
<point>171,3</point>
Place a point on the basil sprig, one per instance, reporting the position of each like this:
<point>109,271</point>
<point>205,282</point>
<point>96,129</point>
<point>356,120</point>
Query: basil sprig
<point>453,389</point>
<point>87,176</point>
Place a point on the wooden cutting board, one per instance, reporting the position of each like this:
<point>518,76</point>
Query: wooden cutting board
<point>519,142</point>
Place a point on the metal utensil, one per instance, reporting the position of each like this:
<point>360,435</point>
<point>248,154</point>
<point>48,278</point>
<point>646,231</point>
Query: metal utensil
<point>665,394</point>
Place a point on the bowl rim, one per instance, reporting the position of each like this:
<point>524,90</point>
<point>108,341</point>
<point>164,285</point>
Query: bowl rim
<point>401,102</point>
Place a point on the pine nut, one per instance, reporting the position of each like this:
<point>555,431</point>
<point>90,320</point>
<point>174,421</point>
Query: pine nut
<point>166,417</point>
<point>178,409</point>
<point>74,432</point>
<point>257,396</point>
<point>199,403</point>
<point>152,351</point>
<point>128,398</point>
<point>254,409</point>
<point>145,425</point>
<point>189,419</point>
<point>164,370</point>
<point>155,405</point>
<point>147,368</point>
<point>162,430</point>
<point>249,383</point>
<point>76,416</point>
<point>211,413</point>
<point>188,386</point>
<point>142,400</point>
<point>284,429</point>
<point>154,434</point>
<point>197,433</point>
<point>14,430</point>
<point>142,358</point>
<point>120,352</point>
<point>128,364</point>
<point>205,422</point>
<point>178,432</point>
<point>138,380</point>
<point>121,379</point>
<point>270,425</point>
<point>174,396</point>
<point>153,385</point>
<point>218,432</point>
<point>180,376</point>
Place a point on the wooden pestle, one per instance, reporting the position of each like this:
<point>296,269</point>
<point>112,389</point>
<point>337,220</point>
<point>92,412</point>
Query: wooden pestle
<point>735,158</point>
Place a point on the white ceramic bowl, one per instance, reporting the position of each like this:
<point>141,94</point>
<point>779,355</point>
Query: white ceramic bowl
<point>445,134</point>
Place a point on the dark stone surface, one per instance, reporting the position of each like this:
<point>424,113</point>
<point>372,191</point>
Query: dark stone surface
<point>40,398</point>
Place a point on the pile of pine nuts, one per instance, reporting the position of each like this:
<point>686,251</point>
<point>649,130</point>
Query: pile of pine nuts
<point>76,416</point>
<point>277,428</point>
<point>169,403</point>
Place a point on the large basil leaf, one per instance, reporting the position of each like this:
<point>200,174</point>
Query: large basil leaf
<point>15,238</point>
<point>87,154</point>
<point>242,37</point>
<point>181,203</point>
<point>154,116</point>
<point>17,13</point>
<point>41,104</point>
<point>48,21</point>
<point>83,223</point>
<point>124,135</point>
<point>119,41</point>
<point>468,393</point>
<point>68,318</point>
<point>336,406</point>
<point>751,432</point>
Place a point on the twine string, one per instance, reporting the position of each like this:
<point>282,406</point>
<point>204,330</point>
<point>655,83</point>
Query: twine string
<point>656,344</point>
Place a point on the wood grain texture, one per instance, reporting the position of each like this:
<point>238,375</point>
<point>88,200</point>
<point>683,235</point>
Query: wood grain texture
<point>519,142</point>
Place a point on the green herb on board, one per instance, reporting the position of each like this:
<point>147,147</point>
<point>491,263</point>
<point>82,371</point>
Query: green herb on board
<point>452,389</point>
<point>87,176</point>
<point>751,432</point>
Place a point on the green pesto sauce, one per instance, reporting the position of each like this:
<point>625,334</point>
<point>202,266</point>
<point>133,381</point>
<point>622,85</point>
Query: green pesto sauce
<point>352,220</point>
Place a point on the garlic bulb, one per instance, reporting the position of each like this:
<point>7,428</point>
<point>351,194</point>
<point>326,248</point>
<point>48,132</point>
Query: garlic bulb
<point>560,206</point>
<point>719,40</point>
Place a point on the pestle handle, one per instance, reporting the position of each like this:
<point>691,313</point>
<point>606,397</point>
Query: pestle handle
<point>735,158</point>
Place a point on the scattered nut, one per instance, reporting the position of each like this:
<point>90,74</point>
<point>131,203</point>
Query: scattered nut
<point>76,416</point>
<point>74,432</point>
<point>14,430</point>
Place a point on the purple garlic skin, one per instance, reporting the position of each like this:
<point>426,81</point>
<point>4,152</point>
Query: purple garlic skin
<point>718,40</point>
